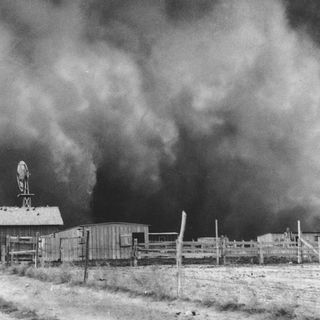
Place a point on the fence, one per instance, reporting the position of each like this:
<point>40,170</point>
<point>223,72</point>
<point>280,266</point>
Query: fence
<point>64,249</point>
<point>74,249</point>
<point>230,250</point>
<point>245,287</point>
<point>82,246</point>
<point>21,249</point>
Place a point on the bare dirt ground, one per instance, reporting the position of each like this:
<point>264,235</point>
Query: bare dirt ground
<point>292,288</point>
<point>52,301</point>
<point>252,292</point>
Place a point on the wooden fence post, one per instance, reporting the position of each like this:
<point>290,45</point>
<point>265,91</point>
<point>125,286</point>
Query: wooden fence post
<point>217,242</point>
<point>11,250</point>
<point>3,253</point>
<point>179,248</point>
<point>60,249</point>
<point>223,249</point>
<point>135,252</point>
<point>8,249</point>
<point>261,258</point>
<point>85,276</point>
<point>299,243</point>
<point>36,256</point>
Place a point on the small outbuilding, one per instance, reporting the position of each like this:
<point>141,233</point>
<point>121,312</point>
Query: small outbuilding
<point>107,241</point>
<point>271,237</point>
<point>311,237</point>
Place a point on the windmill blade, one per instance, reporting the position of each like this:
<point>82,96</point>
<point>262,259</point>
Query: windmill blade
<point>20,184</point>
<point>22,175</point>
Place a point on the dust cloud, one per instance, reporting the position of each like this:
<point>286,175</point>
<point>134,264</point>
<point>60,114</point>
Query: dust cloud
<point>133,111</point>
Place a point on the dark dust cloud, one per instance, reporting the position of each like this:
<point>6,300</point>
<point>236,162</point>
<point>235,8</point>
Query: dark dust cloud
<point>136,110</point>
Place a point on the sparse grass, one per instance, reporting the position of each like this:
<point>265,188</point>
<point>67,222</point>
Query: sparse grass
<point>56,275</point>
<point>286,312</point>
<point>160,283</point>
<point>276,312</point>
<point>7,307</point>
<point>63,274</point>
<point>139,282</point>
<point>16,312</point>
<point>19,269</point>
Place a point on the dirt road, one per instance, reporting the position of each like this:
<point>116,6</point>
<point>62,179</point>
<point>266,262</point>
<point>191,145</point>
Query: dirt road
<point>38,300</point>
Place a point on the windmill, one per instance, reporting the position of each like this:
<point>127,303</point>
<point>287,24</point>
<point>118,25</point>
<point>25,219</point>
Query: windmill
<point>23,184</point>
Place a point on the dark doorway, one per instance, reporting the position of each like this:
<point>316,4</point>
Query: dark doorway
<point>139,236</point>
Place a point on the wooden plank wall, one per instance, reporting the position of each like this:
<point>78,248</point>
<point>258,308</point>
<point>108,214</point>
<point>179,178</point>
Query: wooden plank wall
<point>104,242</point>
<point>24,231</point>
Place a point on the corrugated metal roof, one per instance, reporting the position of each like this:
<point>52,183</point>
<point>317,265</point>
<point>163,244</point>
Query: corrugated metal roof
<point>15,216</point>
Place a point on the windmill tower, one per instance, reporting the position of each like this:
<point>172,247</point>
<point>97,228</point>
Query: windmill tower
<point>23,184</point>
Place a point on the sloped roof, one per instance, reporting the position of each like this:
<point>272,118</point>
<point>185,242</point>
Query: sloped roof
<point>104,223</point>
<point>119,222</point>
<point>34,216</point>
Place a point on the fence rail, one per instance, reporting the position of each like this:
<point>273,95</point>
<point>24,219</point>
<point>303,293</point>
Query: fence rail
<point>76,249</point>
<point>21,249</point>
<point>229,249</point>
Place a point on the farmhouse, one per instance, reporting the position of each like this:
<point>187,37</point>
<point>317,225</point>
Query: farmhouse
<point>107,241</point>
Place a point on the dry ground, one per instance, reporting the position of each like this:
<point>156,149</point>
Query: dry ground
<point>242,292</point>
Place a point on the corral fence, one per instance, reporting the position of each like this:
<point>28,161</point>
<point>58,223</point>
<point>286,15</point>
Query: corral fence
<point>222,252</point>
<point>46,249</point>
<point>20,249</point>
<point>83,248</point>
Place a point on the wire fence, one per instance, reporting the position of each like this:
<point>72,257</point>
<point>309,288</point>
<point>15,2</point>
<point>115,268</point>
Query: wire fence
<point>247,287</point>
<point>79,249</point>
<point>292,286</point>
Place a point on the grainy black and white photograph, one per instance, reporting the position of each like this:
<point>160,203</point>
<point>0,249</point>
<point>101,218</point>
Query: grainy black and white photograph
<point>159,159</point>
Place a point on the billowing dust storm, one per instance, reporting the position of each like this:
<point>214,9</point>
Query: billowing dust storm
<point>137,110</point>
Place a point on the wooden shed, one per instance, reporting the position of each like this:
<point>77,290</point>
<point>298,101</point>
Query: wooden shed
<point>311,237</point>
<point>271,237</point>
<point>107,241</point>
<point>28,221</point>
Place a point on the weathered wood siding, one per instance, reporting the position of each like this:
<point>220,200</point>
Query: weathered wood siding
<point>104,242</point>
<point>25,231</point>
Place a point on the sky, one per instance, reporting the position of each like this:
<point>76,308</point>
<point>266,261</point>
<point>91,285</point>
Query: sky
<point>136,110</point>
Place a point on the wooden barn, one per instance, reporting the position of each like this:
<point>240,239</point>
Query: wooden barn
<point>25,221</point>
<point>107,241</point>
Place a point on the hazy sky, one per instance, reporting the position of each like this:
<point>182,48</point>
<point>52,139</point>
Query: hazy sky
<point>137,110</point>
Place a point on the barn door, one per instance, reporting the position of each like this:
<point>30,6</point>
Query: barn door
<point>139,236</point>
<point>71,249</point>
